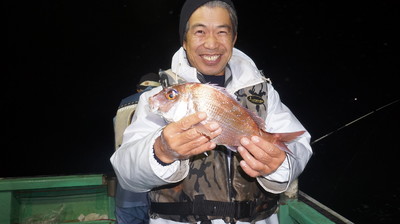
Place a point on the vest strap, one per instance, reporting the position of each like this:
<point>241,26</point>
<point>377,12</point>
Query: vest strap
<point>201,208</point>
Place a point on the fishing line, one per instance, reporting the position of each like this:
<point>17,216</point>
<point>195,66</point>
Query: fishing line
<point>354,121</point>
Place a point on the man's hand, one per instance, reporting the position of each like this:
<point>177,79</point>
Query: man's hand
<point>260,157</point>
<point>179,140</point>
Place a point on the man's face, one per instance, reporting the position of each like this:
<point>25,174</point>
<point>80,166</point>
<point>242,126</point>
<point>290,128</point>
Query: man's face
<point>209,40</point>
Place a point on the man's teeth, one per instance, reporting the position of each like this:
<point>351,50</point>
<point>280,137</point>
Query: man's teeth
<point>211,58</point>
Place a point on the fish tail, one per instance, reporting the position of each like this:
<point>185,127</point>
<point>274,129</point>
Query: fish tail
<point>284,148</point>
<point>288,137</point>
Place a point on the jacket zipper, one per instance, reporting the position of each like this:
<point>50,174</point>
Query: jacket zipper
<point>229,166</point>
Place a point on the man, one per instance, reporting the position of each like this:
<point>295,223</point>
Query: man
<point>131,207</point>
<point>190,179</point>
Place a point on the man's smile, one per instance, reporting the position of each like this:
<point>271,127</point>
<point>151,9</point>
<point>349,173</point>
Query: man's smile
<point>210,59</point>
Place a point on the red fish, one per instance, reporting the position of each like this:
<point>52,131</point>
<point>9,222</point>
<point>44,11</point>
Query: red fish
<point>175,102</point>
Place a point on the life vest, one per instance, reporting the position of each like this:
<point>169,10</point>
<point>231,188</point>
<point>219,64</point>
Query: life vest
<point>212,190</point>
<point>123,118</point>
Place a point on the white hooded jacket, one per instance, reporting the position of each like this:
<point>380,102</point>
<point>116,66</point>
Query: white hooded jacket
<point>134,162</point>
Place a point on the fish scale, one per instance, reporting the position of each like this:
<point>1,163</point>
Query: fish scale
<point>234,119</point>
<point>178,101</point>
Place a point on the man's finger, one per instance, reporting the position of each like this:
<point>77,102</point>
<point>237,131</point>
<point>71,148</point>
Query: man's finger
<point>188,122</point>
<point>248,169</point>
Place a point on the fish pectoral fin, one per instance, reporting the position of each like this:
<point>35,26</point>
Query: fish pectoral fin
<point>201,128</point>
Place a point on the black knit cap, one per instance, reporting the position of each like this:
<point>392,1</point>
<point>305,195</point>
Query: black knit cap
<point>188,8</point>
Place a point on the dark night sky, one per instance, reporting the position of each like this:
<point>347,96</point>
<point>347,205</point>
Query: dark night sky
<point>69,63</point>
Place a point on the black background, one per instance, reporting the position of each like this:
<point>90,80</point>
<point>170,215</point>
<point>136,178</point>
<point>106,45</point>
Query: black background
<point>69,63</point>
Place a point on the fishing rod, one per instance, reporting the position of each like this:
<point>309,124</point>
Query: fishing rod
<point>355,120</point>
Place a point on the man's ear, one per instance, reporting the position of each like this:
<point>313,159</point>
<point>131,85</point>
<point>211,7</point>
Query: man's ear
<point>184,45</point>
<point>234,40</point>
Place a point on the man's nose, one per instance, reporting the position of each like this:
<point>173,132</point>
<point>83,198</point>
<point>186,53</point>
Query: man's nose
<point>211,42</point>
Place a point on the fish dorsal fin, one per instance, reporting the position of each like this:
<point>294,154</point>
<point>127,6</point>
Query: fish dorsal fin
<point>259,121</point>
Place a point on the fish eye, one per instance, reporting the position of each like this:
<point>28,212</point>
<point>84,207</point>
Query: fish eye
<point>171,94</point>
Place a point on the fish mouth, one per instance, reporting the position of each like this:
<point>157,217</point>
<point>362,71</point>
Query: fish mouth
<point>153,104</point>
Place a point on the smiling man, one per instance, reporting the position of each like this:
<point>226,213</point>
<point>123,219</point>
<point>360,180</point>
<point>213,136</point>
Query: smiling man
<point>189,178</point>
<point>209,40</point>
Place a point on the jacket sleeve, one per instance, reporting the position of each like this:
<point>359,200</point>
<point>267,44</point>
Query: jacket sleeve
<point>281,120</point>
<point>134,162</point>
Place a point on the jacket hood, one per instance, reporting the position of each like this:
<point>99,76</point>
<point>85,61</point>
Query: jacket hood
<point>243,70</point>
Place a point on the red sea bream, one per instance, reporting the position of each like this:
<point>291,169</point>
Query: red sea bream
<point>175,102</point>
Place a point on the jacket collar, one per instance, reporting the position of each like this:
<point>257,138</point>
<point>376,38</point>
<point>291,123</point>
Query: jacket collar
<point>243,70</point>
